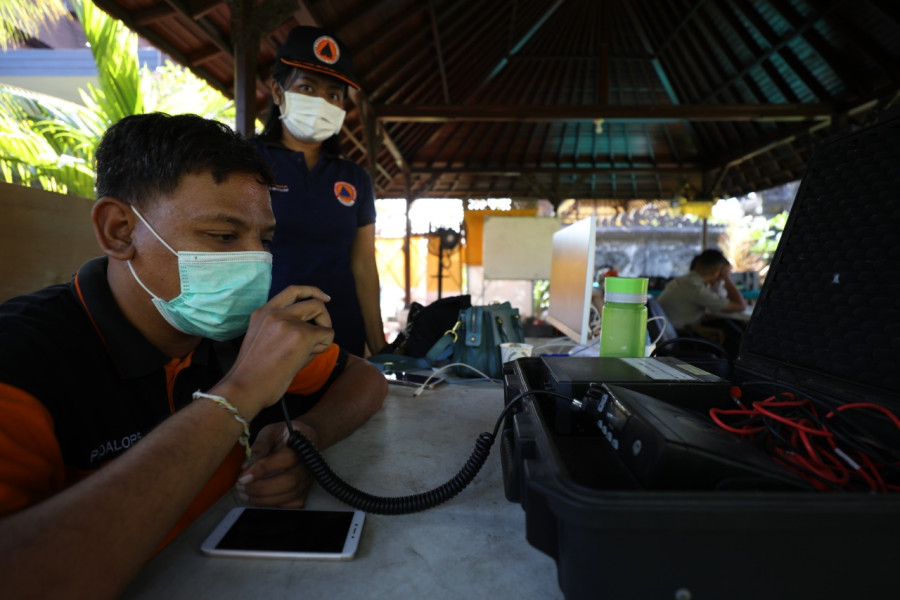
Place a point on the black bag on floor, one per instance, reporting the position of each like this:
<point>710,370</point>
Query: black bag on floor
<point>425,325</point>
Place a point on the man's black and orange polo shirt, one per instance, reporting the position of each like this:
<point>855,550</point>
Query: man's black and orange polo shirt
<point>80,385</point>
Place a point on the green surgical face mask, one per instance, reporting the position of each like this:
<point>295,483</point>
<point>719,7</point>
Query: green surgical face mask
<point>219,290</point>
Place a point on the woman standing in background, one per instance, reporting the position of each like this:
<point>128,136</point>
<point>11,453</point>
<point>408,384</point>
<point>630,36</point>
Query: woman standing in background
<point>324,205</point>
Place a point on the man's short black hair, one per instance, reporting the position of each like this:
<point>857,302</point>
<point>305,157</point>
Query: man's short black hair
<point>147,155</point>
<point>708,260</point>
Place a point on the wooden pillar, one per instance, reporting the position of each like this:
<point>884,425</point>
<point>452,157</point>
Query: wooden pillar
<point>371,135</point>
<point>245,46</point>
<point>407,251</point>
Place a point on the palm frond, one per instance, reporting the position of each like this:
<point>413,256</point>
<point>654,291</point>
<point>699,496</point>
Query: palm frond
<point>115,51</point>
<point>44,141</point>
<point>50,143</point>
<point>170,88</point>
<point>22,19</point>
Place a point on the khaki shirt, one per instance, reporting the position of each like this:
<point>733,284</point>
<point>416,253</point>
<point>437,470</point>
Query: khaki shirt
<point>687,299</point>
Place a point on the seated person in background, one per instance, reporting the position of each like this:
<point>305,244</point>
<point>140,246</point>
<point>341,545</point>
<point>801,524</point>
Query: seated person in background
<point>113,435</point>
<point>692,301</point>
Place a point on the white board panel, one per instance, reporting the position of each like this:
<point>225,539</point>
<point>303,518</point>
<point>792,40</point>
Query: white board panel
<point>518,247</point>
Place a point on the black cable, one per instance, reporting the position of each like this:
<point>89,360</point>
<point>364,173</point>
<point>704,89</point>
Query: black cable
<point>671,347</point>
<point>398,505</point>
<point>719,350</point>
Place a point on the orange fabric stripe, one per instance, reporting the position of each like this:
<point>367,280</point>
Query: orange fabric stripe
<point>31,464</point>
<point>319,69</point>
<point>313,376</point>
<point>91,317</point>
<point>173,368</point>
<point>217,486</point>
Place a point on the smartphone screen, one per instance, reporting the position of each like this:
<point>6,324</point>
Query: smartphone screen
<point>413,379</point>
<point>287,533</point>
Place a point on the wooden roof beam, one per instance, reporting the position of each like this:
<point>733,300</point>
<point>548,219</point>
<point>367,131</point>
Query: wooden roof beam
<point>204,55</point>
<point>655,114</point>
<point>119,13</point>
<point>200,8</point>
<point>209,30</point>
<point>528,171</point>
<point>524,40</point>
<point>153,14</point>
<point>438,51</point>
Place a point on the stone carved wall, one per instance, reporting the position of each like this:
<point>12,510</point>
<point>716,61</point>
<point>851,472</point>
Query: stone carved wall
<point>651,242</point>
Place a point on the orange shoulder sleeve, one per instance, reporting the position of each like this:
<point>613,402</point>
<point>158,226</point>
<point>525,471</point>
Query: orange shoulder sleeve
<point>31,465</point>
<point>313,376</point>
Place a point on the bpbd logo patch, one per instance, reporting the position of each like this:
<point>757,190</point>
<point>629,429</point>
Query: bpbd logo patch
<point>345,193</point>
<point>326,50</point>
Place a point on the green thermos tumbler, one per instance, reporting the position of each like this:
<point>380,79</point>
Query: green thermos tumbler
<point>623,321</point>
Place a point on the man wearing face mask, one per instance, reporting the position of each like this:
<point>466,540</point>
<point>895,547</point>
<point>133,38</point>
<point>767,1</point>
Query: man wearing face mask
<point>136,395</point>
<point>324,205</point>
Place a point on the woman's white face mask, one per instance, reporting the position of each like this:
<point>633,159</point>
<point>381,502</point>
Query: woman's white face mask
<point>310,118</point>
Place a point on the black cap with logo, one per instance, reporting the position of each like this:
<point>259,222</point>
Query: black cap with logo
<point>317,50</point>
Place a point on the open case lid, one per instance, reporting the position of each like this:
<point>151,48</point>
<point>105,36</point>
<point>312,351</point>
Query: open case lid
<point>828,315</point>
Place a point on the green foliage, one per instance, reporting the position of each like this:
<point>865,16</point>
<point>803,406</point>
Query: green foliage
<point>49,143</point>
<point>750,242</point>
<point>541,295</point>
<point>21,19</point>
<point>765,235</point>
<point>170,87</point>
<point>114,48</point>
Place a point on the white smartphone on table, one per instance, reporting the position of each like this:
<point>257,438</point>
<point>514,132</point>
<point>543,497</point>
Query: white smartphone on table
<point>413,379</point>
<point>253,532</point>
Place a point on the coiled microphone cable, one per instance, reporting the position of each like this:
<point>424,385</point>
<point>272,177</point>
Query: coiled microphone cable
<point>398,505</point>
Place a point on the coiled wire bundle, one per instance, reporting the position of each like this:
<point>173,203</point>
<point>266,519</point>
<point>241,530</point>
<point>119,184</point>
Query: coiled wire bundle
<point>398,505</point>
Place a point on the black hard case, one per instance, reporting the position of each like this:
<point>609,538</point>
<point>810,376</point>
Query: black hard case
<point>827,323</point>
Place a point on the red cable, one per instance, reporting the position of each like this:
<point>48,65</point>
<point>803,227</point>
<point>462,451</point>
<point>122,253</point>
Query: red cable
<point>871,405</point>
<point>759,406</point>
<point>744,430</point>
<point>821,450</point>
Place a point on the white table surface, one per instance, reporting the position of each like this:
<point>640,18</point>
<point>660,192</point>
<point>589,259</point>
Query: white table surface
<point>473,546</point>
